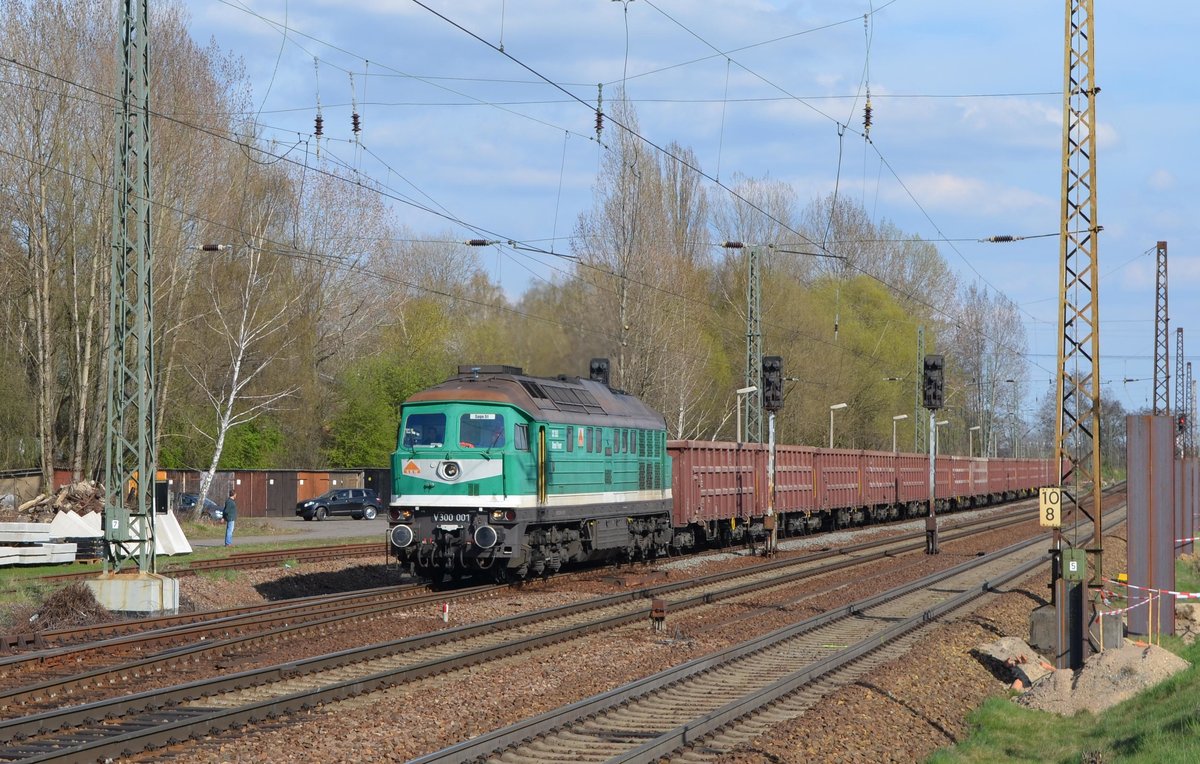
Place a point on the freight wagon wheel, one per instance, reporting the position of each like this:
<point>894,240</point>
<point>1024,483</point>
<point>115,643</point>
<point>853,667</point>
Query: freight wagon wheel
<point>321,513</point>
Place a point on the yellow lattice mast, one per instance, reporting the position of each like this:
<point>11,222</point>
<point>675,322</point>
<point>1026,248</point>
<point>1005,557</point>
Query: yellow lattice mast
<point>1077,432</point>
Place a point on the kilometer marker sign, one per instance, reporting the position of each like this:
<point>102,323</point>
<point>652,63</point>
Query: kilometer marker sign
<point>1050,502</point>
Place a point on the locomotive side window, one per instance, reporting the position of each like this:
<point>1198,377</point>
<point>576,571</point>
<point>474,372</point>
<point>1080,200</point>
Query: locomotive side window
<point>479,430</point>
<point>521,437</point>
<point>570,438</point>
<point>427,430</point>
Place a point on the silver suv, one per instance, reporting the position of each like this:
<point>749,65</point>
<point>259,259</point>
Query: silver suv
<point>359,503</point>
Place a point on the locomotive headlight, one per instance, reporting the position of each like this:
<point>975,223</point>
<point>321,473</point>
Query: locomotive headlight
<point>449,471</point>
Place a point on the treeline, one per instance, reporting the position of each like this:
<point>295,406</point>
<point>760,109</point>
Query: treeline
<point>295,344</point>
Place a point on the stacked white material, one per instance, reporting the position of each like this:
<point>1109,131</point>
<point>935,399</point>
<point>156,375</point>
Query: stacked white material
<point>43,554</point>
<point>24,533</point>
<point>69,525</point>
<point>169,536</point>
<point>94,521</point>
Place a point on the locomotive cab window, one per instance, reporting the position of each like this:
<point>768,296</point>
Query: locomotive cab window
<point>427,430</point>
<point>481,430</point>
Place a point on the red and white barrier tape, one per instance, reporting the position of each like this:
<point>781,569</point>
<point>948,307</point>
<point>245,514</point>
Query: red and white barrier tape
<point>1178,595</point>
<point>1119,610</point>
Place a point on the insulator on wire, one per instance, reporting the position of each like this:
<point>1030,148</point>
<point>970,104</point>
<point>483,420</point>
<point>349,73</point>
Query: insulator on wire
<point>867,119</point>
<point>478,242</point>
<point>355,125</point>
<point>319,125</point>
<point>599,109</point>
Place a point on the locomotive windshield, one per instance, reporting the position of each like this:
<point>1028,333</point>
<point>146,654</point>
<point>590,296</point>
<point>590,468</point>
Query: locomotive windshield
<point>478,430</point>
<point>425,430</point>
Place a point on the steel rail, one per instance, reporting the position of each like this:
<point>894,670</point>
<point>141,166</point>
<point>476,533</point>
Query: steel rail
<point>164,732</point>
<point>485,746</point>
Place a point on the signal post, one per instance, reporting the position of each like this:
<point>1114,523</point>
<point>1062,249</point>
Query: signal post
<point>933,391</point>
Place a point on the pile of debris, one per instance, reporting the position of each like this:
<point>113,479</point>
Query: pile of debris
<point>80,498</point>
<point>1106,678</point>
<point>71,606</point>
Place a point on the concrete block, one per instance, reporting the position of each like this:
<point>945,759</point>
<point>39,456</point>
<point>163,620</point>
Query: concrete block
<point>137,592</point>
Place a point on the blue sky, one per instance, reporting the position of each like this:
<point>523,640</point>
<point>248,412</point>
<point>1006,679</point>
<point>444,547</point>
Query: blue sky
<point>967,121</point>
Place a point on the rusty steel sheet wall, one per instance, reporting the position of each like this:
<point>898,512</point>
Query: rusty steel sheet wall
<point>878,478</point>
<point>1152,498</point>
<point>795,479</point>
<point>839,478</point>
<point>713,480</point>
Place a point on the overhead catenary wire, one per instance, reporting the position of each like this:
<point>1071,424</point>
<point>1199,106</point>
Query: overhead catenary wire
<point>452,218</point>
<point>465,223</point>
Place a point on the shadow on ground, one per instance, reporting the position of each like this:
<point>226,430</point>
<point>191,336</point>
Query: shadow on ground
<point>348,580</point>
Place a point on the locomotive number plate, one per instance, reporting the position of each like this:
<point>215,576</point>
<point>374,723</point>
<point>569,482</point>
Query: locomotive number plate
<point>450,517</point>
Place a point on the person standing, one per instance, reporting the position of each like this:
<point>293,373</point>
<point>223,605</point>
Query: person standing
<point>230,513</point>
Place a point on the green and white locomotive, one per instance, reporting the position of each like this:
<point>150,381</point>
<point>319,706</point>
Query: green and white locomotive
<point>516,475</point>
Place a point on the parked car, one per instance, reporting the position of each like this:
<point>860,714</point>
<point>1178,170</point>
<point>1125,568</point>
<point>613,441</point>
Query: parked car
<point>359,503</point>
<point>212,510</point>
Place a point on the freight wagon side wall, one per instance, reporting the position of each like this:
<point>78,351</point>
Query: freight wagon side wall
<point>795,479</point>
<point>713,480</point>
<point>879,477</point>
<point>839,478</point>
<point>913,475</point>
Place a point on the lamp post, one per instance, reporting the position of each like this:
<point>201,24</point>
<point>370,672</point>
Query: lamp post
<point>832,409</point>
<point>895,419</point>
<point>742,392</point>
<point>971,440</point>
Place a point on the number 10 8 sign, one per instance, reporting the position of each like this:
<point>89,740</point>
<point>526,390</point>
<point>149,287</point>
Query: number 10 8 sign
<point>1051,507</point>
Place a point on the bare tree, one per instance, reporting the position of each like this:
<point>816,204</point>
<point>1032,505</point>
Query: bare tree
<point>248,323</point>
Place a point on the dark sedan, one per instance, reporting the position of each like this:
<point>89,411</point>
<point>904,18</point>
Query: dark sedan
<point>359,503</point>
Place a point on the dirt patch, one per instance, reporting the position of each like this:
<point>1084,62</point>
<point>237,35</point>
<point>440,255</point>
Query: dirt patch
<point>1105,680</point>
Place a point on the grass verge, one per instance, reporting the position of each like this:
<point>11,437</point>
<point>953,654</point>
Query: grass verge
<point>1159,725</point>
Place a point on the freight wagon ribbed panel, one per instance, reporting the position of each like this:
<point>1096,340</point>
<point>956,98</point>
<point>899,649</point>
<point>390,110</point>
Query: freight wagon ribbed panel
<point>879,478</point>
<point>717,480</point>
<point>839,478</point>
<point>795,479</point>
<point>913,474</point>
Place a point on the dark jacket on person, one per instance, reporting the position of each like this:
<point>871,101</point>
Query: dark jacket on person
<point>230,512</point>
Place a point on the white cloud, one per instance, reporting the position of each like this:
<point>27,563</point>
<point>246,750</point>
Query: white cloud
<point>956,193</point>
<point>1161,180</point>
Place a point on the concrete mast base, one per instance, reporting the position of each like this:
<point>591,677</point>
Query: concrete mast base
<point>136,592</point>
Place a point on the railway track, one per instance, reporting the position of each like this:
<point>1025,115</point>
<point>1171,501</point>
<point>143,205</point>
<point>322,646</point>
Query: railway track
<point>116,726</point>
<point>242,560</point>
<point>696,711</point>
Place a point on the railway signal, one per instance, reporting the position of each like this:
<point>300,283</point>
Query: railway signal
<point>933,382</point>
<point>772,370</point>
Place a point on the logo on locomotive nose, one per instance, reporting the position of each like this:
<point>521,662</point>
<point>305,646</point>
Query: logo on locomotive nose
<point>412,469</point>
